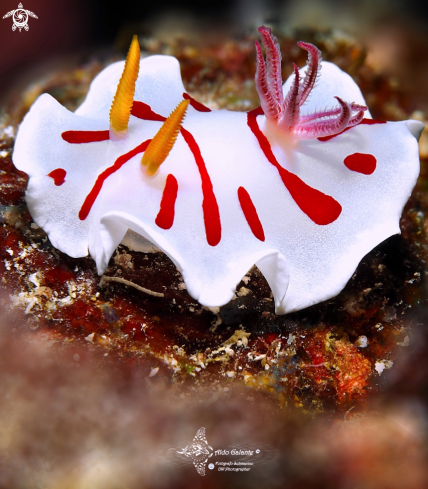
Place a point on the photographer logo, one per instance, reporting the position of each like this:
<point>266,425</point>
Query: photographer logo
<point>20,18</point>
<point>236,458</point>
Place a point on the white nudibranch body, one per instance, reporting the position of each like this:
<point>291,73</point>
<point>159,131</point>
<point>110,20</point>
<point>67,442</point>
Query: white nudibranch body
<point>229,192</point>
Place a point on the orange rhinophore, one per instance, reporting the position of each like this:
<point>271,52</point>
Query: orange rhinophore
<point>122,103</point>
<point>164,140</point>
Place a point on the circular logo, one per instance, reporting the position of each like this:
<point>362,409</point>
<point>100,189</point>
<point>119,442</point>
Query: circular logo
<point>211,466</point>
<point>20,17</point>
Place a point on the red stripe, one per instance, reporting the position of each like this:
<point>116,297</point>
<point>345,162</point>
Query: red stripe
<point>319,207</point>
<point>369,122</point>
<point>144,111</point>
<point>93,194</point>
<point>58,176</point>
<point>256,112</point>
<point>78,137</point>
<point>165,217</point>
<point>250,213</point>
<point>195,104</point>
<point>209,204</point>
<point>363,122</point>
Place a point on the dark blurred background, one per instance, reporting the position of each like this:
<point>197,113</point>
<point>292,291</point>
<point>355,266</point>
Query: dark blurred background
<point>66,31</point>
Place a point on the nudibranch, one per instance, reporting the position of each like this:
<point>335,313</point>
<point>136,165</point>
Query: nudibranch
<point>300,190</point>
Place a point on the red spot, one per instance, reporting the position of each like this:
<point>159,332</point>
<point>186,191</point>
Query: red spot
<point>250,213</point>
<point>209,204</point>
<point>58,176</point>
<point>165,217</point>
<point>319,207</point>
<point>368,122</point>
<point>93,194</point>
<point>78,137</point>
<point>195,104</point>
<point>361,163</point>
<point>144,111</point>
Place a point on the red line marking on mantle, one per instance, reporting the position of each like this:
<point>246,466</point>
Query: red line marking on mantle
<point>250,214</point>
<point>58,176</point>
<point>209,203</point>
<point>79,137</point>
<point>319,207</point>
<point>195,104</point>
<point>93,194</point>
<point>368,122</point>
<point>165,217</point>
<point>145,112</point>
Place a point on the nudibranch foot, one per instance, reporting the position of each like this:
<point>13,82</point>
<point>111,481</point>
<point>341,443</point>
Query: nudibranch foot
<point>285,111</point>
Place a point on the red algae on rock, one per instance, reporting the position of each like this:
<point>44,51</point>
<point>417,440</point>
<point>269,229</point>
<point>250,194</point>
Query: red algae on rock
<point>337,362</point>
